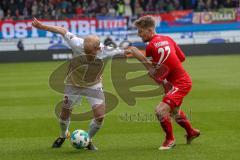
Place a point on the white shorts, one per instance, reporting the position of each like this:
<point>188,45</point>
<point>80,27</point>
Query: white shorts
<point>94,94</point>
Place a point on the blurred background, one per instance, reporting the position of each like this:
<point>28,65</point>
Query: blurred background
<point>199,25</point>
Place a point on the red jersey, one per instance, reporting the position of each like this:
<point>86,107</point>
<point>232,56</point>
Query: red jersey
<point>164,50</point>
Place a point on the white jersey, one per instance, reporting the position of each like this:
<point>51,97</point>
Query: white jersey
<point>76,44</point>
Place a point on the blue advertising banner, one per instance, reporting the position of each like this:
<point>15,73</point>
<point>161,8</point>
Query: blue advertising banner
<point>101,25</point>
<point>165,28</point>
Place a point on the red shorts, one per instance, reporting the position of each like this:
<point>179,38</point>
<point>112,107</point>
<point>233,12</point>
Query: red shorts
<point>174,97</point>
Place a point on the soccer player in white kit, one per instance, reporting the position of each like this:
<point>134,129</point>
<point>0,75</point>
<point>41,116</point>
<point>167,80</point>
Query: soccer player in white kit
<point>90,45</point>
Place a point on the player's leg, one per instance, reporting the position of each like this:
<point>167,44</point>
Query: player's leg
<point>181,118</point>
<point>70,98</point>
<point>96,123</point>
<point>163,114</point>
<point>97,101</point>
<point>64,122</point>
<point>64,119</point>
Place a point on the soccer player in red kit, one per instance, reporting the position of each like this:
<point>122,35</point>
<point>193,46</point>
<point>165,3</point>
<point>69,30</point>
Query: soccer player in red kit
<point>166,69</point>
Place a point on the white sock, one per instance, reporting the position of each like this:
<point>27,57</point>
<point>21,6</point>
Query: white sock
<point>94,126</point>
<point>64,125</point>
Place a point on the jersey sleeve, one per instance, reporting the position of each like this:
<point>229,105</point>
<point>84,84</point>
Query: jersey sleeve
<point>108,52</point>
<point>179,52</point>
<point>73,41</point>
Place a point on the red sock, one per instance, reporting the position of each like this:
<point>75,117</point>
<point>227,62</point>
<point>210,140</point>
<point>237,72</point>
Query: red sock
<point>167,127</point>
<point>182,120</point>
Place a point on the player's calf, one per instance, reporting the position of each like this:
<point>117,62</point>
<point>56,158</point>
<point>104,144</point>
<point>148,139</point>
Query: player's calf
<point>163,115</point>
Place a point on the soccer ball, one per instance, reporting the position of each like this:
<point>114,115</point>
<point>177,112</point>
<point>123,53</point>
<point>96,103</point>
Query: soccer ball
<point>79,139</point>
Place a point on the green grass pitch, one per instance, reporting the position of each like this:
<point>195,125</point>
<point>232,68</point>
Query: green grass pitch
<point>28,125</point>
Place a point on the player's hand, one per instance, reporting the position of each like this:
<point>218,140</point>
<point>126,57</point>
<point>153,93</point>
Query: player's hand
<point>128,51</point>
<point>37,24</point>
<point>152,72</point>
<point>168,87</point>
<point>125,44</point>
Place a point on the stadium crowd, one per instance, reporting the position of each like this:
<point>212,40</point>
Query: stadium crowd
<point>60,9</point>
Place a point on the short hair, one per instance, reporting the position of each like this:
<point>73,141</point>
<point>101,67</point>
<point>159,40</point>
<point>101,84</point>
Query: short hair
<point>145,22</point>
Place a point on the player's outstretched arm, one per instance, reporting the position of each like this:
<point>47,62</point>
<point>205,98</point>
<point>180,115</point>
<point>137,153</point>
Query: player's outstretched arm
<point>158,74</point>
<point>56,29</point>
<point>138,55</point>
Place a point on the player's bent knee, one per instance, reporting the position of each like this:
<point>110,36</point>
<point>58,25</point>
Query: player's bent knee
<point>100,120</point>
<point>161,111</point>
<point>177,117</point>
<point>64,117</point>
<point>174,113</point>
<point>99,116</point>
<point>99,112</point>
<point>65,114</point>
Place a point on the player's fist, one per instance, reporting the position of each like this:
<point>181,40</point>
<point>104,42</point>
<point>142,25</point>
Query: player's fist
<point>37,24</point>
<point>168,87</point>
<point>130,50</point>
<point>125,44</point>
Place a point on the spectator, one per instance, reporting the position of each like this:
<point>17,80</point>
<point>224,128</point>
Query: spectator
<point>193,3</point>
<point>160,6</point>
<point>4,6</point>
<point>101,7</point>
<point>145,3</point>
<point>34,9</point>
<point>61,9</point>
<point>52,10</point>
<point>1,14</point>
<point>71,7</point>
<point>28,5</point>
<point>64,4</point>
<point>17,15</point>
<point>40,11</point>
<point>20,45</point>
<point>128,11</point>
<point>186,4</point>
<point>149,7</point>
<point>112,8</point>
<point>104,10</point>
<point>25,12</point>
<point>138,8</point>
<point>215,5</point>
<point>201,6</point>
<point>230,3</point>
<point>13,7</point>
<point>79,9</point>
<point>178,6</point>
<point>92,6</point>
<point>9,15</point>
<point>169,6</point>
<point>120,8</point>
<point>20,6</point>
<point>132,5</point>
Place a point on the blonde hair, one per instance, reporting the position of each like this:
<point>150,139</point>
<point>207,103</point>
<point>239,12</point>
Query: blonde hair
<point>145,22</point>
